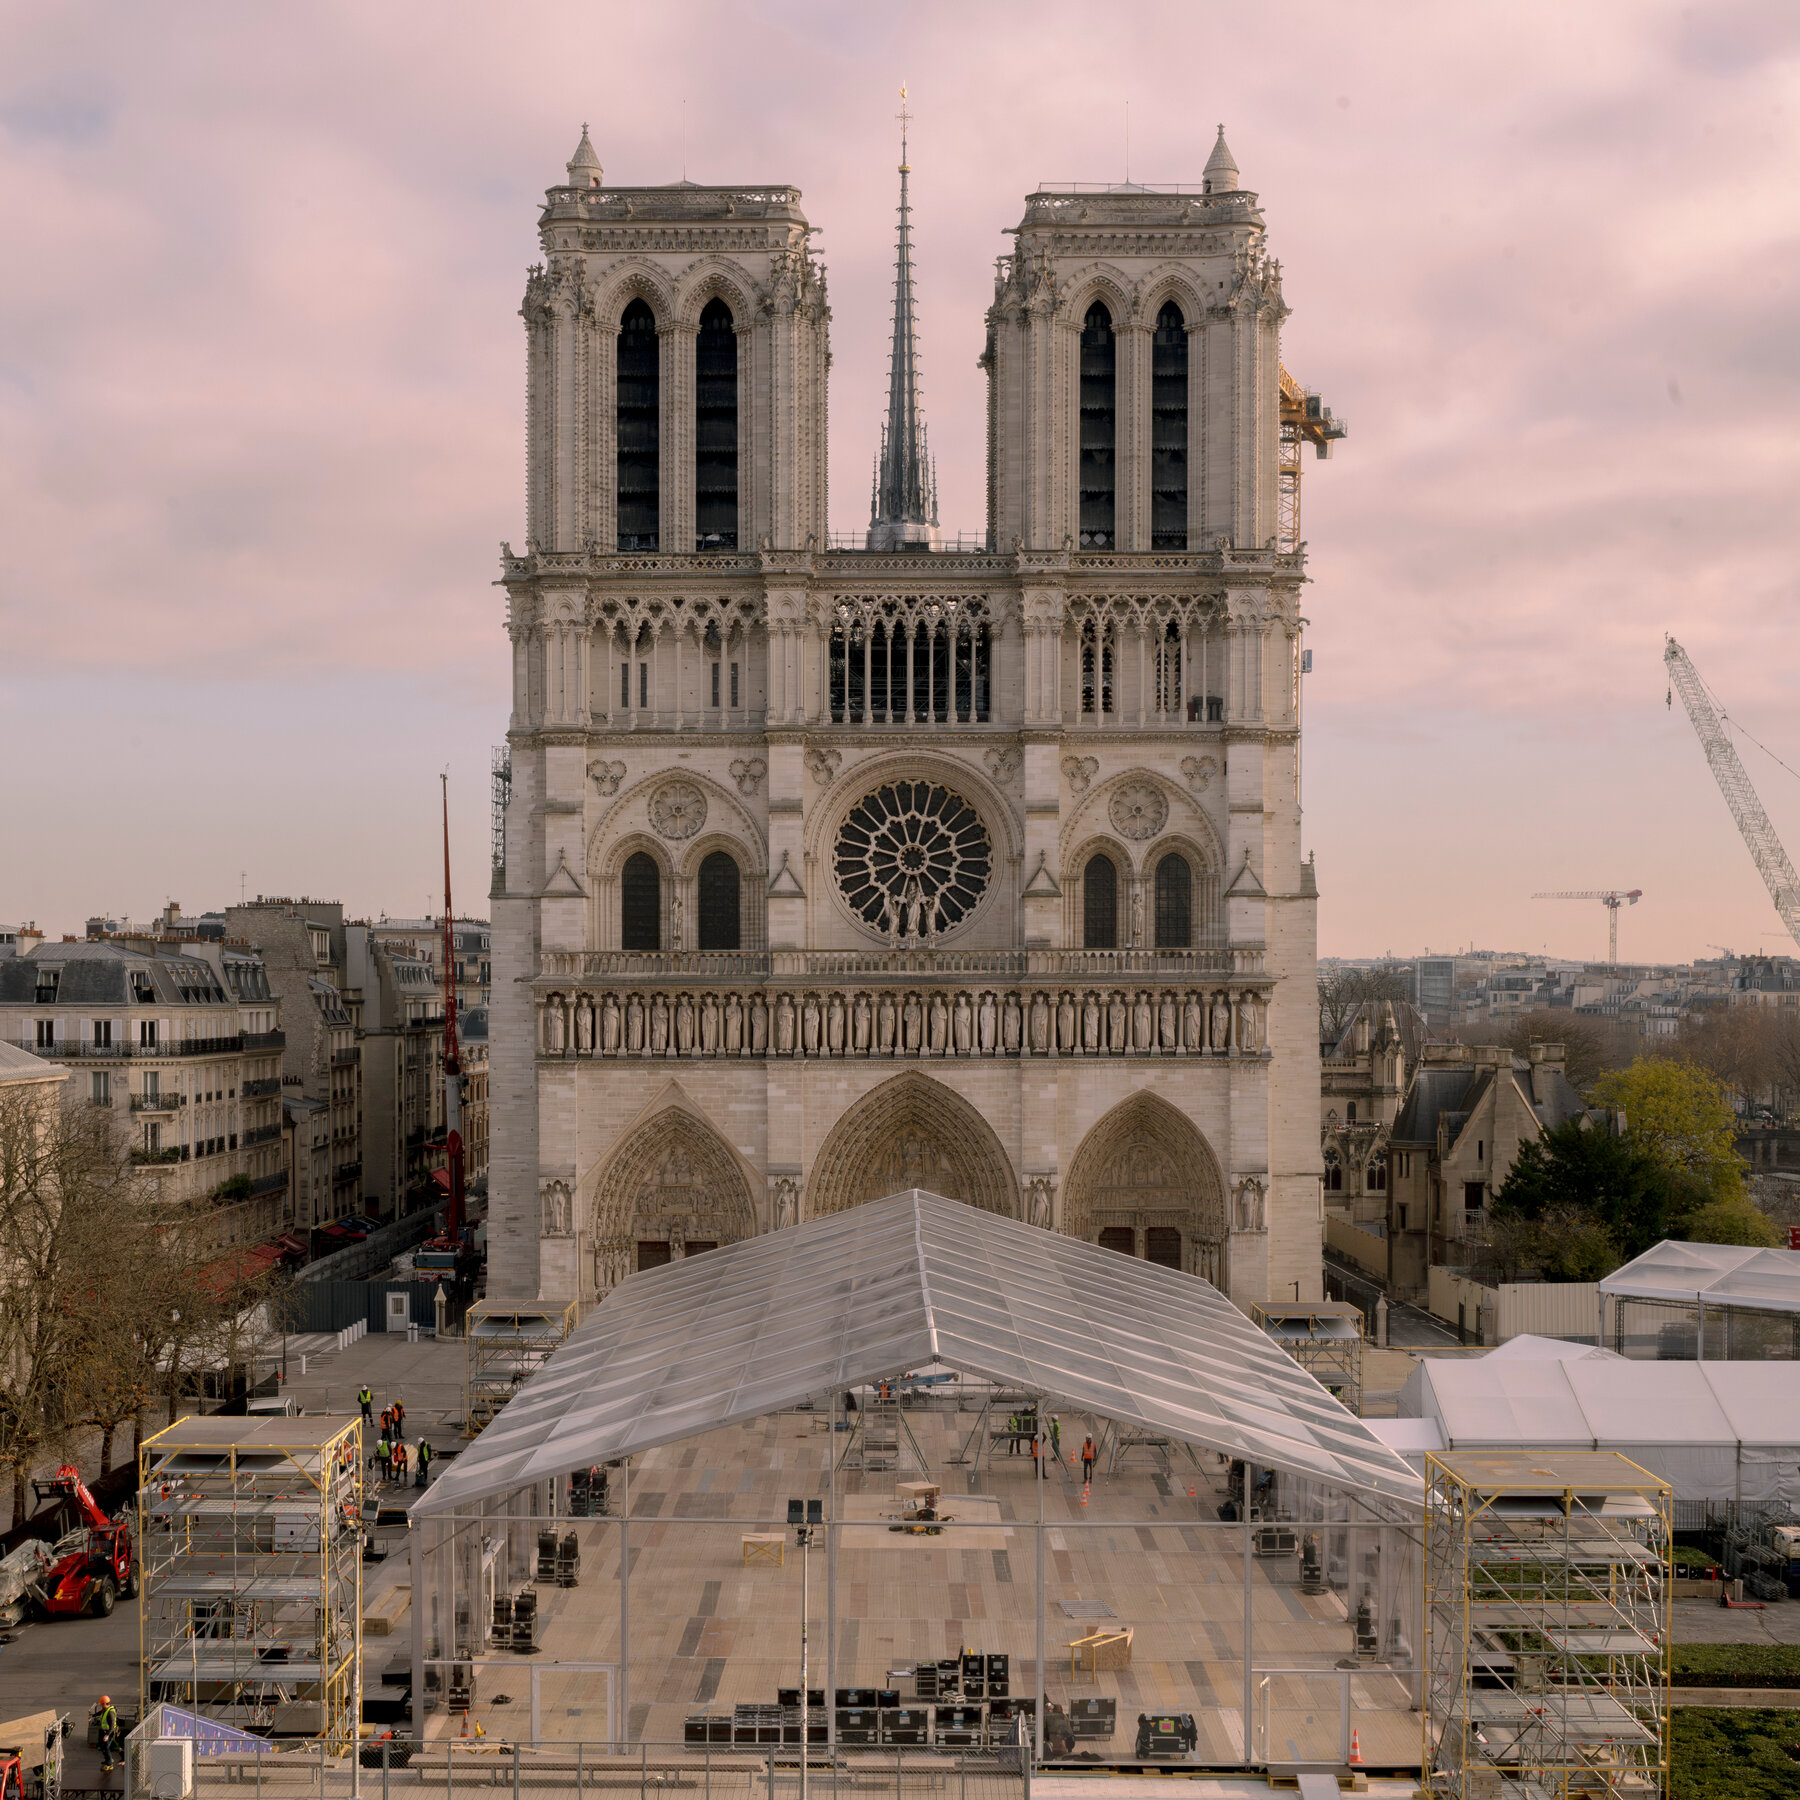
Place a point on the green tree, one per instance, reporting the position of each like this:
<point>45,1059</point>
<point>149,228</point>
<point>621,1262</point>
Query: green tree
<point>1583,1173</point>
<point>1680,1115</point>
<point>1733,1222</point>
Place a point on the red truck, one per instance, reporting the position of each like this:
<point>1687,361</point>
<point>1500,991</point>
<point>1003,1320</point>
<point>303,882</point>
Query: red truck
<point>94,1563</point>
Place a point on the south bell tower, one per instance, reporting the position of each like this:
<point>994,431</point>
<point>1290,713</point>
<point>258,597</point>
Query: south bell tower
<point>829,872</point>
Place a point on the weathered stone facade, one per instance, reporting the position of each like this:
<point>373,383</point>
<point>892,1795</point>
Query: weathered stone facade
<point>1015,907</point>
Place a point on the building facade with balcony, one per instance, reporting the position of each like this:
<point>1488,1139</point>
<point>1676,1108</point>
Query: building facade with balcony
<point>303,946</point>
<point>402,1051</point>
<point>830,873</point>
<point>184,1048</point>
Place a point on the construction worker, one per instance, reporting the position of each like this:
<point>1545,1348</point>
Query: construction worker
<point>107,1719</point>
<point>1012,1434</point>
<point>1056,1437</point>
<point>1088,1454</point>
<point>424,1463</point>
<point>384,1455</point>
<point>400,1461</point>
<point>399,1419</point>
<point>366,1400</point>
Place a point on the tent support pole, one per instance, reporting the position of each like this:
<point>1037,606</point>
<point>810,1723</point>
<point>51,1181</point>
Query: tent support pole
<point>1249,1657</point>
<point>830,1596</point>
<point>625,1607</point>
<point>1040,1473</point>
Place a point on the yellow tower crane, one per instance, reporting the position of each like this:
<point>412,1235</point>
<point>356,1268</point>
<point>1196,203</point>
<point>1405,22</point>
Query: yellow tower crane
<point>1305,419</point>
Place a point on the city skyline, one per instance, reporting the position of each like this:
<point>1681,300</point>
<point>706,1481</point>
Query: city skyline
<point>264,498</point>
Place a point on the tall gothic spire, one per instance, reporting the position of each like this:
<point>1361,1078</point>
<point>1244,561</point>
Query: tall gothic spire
<point>903,510</point>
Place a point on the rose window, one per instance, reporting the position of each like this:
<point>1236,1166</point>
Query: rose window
<point>912,859</point>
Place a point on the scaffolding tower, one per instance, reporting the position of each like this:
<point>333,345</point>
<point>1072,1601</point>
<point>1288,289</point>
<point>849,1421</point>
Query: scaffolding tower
<point>506,1344</point>
<point>1546,1627</point>
<point>250,1542</point>
<point>1325,1337</point>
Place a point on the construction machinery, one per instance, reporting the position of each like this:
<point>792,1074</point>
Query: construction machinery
<point>1746,810</point>
<point>93,1564</point>
<point>1612,899</point>
<point>1305,419</point>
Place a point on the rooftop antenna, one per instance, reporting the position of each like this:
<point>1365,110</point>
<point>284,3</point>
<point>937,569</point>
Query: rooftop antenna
<point>1128,143</point>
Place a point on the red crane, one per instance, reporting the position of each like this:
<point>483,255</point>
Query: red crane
<point>91,1572</point>
<point>453,1143</point>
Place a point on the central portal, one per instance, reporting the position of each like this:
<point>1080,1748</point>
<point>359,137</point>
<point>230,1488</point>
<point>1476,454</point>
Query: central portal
<point>911,1132</point>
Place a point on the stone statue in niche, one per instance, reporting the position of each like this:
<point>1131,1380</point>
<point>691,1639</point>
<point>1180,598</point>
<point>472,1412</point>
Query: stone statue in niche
<point>734,1026</point>
<point>1090,1023</point>
<point>1140,1022</point>
<point>962,1026</point>
<point>634,1026</point>
<point>1039,1201</point>
<point>988,1025</point>
<point>584,1026</point>
<point>834,1025</point>
<point>913,1019</point>
<point>675,918</point>
<point>609,1025</point>
<point>659,1026</point>
<point>1249,1207</point>
<point>1040,1024</point>
<point>555,1028</point>
<point>787,1202</point>
<point>860,1024</point>
<point>556,1209</point>
<point>1221,1024</point>
<point>1137,912</point>
<point>709,1026</point>
<point>1009,1027</point>
<point>1065,1023</point>
<point>1168,1024</point>
<point>1115,1021</point>
<point>809,1025</point>
<point>884,1025</point>
<point>784,1026</point>
<point>684,1025</point>
<point>759,1027</point>
<point>1193,1023</point>
<point>940,1025</point>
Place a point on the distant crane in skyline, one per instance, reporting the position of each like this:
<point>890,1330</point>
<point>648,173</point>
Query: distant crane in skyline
<point>1752,822</point>
<point>1612,899</point>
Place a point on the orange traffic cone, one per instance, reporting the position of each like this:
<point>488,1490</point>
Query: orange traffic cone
<point>1356,1761</point>
<point>465,1730</point>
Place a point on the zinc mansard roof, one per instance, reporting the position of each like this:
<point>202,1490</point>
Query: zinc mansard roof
<point>743,1331</point>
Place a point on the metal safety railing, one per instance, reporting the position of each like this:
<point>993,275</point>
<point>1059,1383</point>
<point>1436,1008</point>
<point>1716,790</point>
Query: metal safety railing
<point>392,1767</point>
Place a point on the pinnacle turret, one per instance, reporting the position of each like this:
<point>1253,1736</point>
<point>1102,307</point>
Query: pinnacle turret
<point>584,165</point>
<point>1221,176</point>
<point>904,506</point>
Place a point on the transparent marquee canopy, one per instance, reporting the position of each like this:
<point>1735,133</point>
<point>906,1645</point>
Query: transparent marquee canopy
<point>898,1284</point>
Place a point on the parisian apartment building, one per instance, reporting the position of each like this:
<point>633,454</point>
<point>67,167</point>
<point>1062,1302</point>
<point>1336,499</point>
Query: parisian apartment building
<point>182,1042</point>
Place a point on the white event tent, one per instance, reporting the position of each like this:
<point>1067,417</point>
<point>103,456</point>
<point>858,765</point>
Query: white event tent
<point>1724,1434</point>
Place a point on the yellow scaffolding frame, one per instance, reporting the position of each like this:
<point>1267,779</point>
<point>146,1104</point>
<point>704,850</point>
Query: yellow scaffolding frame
<point>1546,1626</point>
<point>506,1342</point>
<point>250,1537</point>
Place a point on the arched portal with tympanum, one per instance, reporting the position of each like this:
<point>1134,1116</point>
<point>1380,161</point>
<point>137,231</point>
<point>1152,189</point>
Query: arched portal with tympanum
<point>672,1188</point>
<point>1146,1182</point>
<point>911,1132</point>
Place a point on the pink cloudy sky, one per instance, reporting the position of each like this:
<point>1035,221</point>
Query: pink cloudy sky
<point>261,379</point>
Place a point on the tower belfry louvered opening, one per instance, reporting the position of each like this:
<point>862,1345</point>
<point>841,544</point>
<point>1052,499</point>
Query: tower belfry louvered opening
<point>716,430</point>
<point>640,432</point>
<point>1099,430</point>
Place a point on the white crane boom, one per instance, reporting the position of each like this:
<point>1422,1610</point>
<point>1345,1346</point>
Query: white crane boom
<point>1752,822</point>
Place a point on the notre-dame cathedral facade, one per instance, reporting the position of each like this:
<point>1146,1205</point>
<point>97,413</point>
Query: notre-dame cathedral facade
<point>830,872</point>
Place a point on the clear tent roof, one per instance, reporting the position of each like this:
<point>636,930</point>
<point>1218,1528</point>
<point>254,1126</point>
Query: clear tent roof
<point>899,1283</point>
<point>1719,1274</point>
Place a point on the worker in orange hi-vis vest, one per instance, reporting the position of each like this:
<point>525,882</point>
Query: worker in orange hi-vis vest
<point>1088,1453</point>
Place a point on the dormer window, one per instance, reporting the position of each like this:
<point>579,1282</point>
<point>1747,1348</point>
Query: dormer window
<point>48,980</point>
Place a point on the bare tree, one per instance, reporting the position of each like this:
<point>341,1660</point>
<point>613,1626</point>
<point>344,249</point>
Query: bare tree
<point>1343,990</point>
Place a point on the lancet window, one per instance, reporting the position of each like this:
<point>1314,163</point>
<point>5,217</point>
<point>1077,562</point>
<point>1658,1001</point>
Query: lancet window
<point>1169,431</point>
<point>1100,904</point>
<point>1099,423</point>
<point>716,430</point>
<point>718,898</point>
<point>910,662</point>
<point>640,903</point>
<point>639,430</point>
